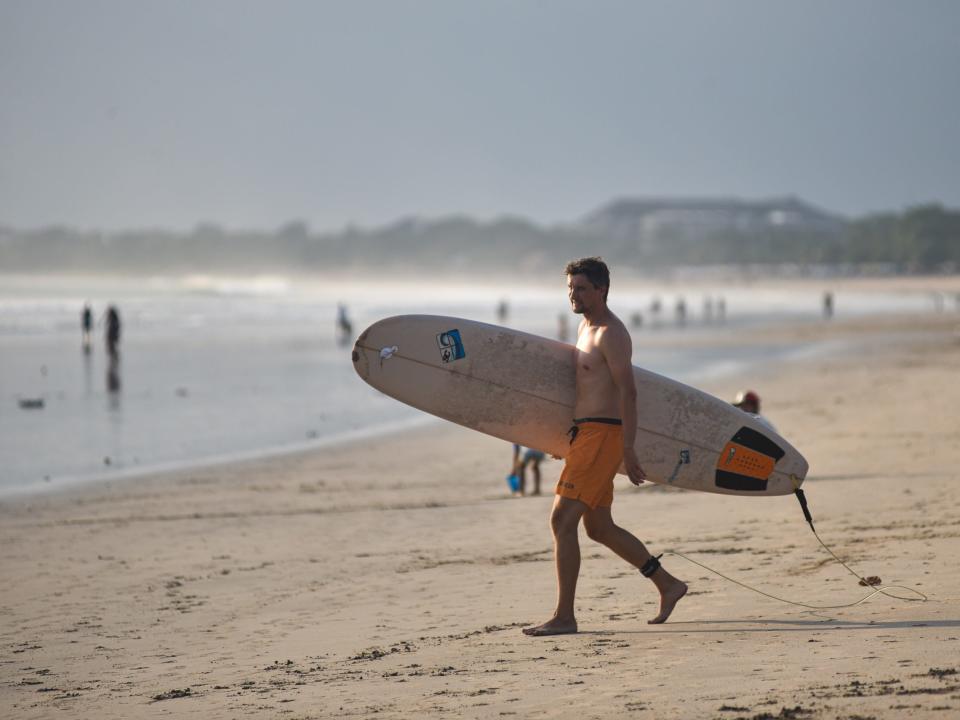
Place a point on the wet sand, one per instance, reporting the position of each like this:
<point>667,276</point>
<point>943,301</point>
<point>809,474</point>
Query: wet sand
<point>391,578</point>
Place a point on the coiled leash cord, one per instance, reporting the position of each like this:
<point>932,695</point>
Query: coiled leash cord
<point>920,597</point>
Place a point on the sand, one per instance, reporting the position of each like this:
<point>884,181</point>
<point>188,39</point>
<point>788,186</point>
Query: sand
<point>391,578</point>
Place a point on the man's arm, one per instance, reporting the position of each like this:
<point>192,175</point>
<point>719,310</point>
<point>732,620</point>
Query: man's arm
<point>618,350</point>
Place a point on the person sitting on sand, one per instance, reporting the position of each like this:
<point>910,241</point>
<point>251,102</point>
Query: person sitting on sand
<point>603,435</point>
<point>749,402</point>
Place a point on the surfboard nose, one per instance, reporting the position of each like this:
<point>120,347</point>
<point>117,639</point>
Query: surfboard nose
<point>370,346</point>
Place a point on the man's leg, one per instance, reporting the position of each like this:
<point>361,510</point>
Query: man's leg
<point>601,528</point>
<point>564,521</point>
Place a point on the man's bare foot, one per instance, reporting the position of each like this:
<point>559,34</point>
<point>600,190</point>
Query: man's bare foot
<point>668,601</point>
<point>552,627</point>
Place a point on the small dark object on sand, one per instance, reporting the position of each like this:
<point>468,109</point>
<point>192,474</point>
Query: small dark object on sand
<point>31,403</point>
<point>870,581</point>
<point>171,694</point>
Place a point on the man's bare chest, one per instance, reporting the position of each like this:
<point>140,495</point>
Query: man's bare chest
<point>590,359</point>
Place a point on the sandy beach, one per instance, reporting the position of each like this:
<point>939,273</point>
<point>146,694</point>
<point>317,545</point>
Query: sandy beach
<point>390,578</point>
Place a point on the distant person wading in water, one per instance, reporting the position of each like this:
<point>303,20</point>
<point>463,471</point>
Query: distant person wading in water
<point>86,324</point>
<point>603,435</point>
<point>344,326</point>
<point>113,331</point>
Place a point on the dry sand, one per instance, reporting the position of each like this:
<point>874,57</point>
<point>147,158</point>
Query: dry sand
<point>391,578</point>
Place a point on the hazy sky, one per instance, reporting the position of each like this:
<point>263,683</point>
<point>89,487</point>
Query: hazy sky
<point>129,113</point>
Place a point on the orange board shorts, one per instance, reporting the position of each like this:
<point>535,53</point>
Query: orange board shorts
<point>596,452</point>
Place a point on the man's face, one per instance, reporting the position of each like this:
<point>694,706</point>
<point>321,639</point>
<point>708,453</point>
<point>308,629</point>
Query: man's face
<point>584,297</point>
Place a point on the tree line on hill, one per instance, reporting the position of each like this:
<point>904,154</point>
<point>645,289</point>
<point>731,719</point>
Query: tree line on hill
<point>921,239</point>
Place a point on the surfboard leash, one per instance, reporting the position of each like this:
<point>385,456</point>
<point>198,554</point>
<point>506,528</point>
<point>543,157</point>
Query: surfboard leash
<point>809,518</point>
<point>919,596</point>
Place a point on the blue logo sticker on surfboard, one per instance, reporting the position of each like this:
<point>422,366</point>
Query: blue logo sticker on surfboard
<point>451,347</point>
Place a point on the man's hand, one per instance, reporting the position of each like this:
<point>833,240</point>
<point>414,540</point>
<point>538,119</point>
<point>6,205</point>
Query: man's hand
<point>632,465</point>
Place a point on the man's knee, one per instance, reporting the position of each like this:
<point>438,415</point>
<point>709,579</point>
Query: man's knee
<point>598,532</point>
<point>563,521</point>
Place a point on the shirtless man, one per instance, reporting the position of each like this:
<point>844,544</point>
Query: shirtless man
<point>605,425</point>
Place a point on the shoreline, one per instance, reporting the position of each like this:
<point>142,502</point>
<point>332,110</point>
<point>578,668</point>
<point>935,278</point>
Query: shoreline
<point>74,483</point>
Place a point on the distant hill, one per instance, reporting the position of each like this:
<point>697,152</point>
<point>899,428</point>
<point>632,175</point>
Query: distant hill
<point>642,234</point>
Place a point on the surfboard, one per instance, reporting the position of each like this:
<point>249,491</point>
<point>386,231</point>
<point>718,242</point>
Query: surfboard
<point>521,388</point>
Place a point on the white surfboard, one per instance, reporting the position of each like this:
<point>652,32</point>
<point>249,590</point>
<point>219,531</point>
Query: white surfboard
<point>521,388</point>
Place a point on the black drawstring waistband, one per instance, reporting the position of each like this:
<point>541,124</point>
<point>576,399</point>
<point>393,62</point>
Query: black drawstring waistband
<point>572,432</point>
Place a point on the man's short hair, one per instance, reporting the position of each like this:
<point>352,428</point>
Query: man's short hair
<point>594,268</point>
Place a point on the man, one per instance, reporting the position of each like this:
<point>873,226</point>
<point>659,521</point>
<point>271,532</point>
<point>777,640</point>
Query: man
<point>603,435</point>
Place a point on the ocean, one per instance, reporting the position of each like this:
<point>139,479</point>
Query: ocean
<point>212,369</point>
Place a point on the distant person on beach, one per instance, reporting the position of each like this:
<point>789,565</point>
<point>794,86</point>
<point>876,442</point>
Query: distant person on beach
<point>828,305</point>
<point>113,331</point>
<point>602,437</point>
<point>656,307</point>
<point>524,458</point>
<point>749,402</point>
<point>562,327</point>
<point>708,309</point>
<point>681,312</point>
<point>344,326</point>
<point>86,325</point>
<point>503,311</point>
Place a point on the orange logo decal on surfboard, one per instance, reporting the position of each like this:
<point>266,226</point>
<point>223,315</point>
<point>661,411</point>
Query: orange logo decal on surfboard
<point>747,461</point>
<point>742,460</point>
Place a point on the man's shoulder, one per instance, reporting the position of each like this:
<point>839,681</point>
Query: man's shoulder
<point>615,338</point>
<point>615,330</point>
